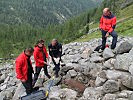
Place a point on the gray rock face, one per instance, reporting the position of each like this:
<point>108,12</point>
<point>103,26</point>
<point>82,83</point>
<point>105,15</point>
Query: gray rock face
<point>123,47</point>
<point>111,86</point>
<point>131,68</point>
<point>68,67</point>
<point>86,53</point>
<point>19,92</point>
<point>110,97</point>
<point>128,81</point>
<point>123,62</point>
<point>107,53</point>
<point>66,94</point>
<point>92,94</point>
<point>109,63</point>
<point>96,59</point>
<point>72,73</point>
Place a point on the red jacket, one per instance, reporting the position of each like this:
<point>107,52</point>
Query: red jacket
<point>38,56</point>
<point>108,23</point>
<point>22,67</point>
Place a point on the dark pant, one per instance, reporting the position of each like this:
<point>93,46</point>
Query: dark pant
<point>113,34</point>
<point>38,69</point>
<point>28,86</point>
<point>57,67</point>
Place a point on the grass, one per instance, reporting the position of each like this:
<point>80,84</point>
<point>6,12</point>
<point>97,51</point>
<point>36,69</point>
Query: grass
<point>124,28</point>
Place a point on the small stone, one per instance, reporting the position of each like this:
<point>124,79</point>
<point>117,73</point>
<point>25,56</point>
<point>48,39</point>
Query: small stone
<point>111,86</point>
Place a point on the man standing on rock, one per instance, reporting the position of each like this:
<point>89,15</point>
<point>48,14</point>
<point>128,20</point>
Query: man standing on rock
<point>24,69</point>
<point>55,51</point>
<point>41,57</point>
<point>107,26</point>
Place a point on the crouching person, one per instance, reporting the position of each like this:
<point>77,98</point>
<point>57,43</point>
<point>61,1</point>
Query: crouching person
<point>55,51</point>
<point>24,69</point>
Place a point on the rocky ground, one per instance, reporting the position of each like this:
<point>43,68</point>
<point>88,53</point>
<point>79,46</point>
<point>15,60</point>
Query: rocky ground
<point>86,75</point>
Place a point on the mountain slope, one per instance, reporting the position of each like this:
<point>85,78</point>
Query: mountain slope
<point>42,12</point>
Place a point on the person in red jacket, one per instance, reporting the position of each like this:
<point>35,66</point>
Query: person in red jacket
<point>24,69</point>
<point>107,26</point>
<point>40,57</point>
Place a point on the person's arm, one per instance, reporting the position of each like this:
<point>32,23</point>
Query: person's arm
<point>19,65</point>
<point>37,58</point>
<point>113,25</point>
<point>101,23</point>
<point>60,50</point>
<point>50,51</point>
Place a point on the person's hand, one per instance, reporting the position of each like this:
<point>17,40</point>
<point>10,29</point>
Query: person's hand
<point>23,80</point>
<point>107,34</point>
<point>45,63</point>
<point>100,29</point>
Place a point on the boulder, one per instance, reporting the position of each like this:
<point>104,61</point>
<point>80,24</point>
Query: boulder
<point>123,61</point>
<point>86,53</point>
<point>63,94</point>
<point>131,68</point>
<point>96,59</point>
<point>123,47</point>
<point>91,93</point>
<point>68,67</point>
<point>107,53</point>
<point>111,86</point>
<point>127,81</point>
<point>19,92</point>
<point>110,97</point>
<point>109,63</point>
<point>101,78</point>
<point>72,73</point>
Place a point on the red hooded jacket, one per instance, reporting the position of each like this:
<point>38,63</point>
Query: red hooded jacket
<point>22,67</point>
<point>38,56</point>
<point>108,23</point>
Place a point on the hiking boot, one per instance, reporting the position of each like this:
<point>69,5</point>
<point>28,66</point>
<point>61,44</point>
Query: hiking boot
<point>100,51</point>
<point>49,76</point>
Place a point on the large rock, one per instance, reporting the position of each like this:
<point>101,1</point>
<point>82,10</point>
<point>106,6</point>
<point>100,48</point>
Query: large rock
<point>131,68</point>
<point>111,86</point>
<point>62,94</point>
<point>107,53</point>
<point>19,92</point>
<point>123,61</point>
<point>96,59</point>
<point>68,67</point>
<point>72,73</point>
<point>115,74</point>
<point>128,81</point>
<point>86,53</point>
<point>91,93</point>
<point>123,47</point>
<point>110,97</point>
<point>109,63</point>
<point>101,78</point>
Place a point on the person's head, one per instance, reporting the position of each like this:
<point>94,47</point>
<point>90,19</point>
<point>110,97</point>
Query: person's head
<point>106,12</point>
<point>40,43</point>
<point>54,42</point>
<point>29,51</point>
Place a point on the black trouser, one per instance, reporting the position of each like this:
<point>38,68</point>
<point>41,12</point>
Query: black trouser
<point>113,34</point>
<point>38,69</point>
<point>28,86</point>
<point>57,66</point>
